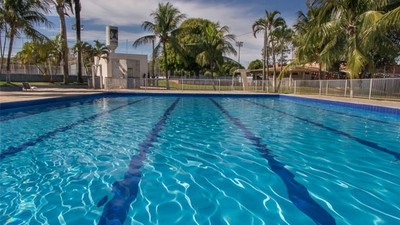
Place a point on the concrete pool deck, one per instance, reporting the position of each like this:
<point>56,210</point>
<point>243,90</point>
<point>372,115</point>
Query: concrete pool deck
<point>43,93</point>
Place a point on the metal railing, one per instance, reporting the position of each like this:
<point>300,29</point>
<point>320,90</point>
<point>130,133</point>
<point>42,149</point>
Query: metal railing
<point>386,88</point>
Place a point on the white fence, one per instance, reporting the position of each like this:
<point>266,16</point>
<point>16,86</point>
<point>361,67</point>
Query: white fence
<point>385,88</point>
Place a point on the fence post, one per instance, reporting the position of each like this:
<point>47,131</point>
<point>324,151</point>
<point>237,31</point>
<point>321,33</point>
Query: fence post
<point>320,87</point>
<point>295,85</point>
<point>345,88</point>
<point>351,88</point>
<point>182,83</point>
<point>219,85</point>
<point>93,77</point>
<point>326,91</point>
<point>101,77</point>
<point>370,89</point>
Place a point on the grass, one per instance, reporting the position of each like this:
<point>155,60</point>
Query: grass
<point>12,84</point>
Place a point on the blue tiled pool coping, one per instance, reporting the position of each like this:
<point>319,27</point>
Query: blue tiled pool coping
<point>381,109</point>
<point>373,108</point>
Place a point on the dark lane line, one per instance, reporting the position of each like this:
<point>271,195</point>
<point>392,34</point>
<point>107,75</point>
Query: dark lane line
<point>125,191</point>
<point>370,144</point>
<point>346,114</point>
<point>297,192</point>
<point>12,150</point>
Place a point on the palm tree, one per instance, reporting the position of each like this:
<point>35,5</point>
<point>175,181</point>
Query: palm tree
<point>215,43</point>
<point>310,37</point>
<point>283,36</point>
<point>355,22</point>
<point>77,9</point>
<point>100,50</point>
<point>268,25</point>
<point>22,16</point>
<point>43,54</point>
<point>62,6</point>
<point>165,23</point>
<point>258,26</point>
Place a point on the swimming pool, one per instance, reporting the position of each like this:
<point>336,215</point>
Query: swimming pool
<point>174,159</point>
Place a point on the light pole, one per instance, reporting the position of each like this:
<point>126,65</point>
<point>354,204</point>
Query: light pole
<point>239,44</point>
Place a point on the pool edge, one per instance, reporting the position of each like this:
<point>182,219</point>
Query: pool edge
<point>373,108</point>
<point>369,107</point>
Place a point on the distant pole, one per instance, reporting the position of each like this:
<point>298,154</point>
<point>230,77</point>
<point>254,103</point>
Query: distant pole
<point>239,44</point>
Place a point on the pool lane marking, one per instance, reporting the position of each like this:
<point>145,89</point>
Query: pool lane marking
<point>370,144</point>
<point>37,111</point>
<point>12,150</point>
<point>298,193</point>
<point>346,114</point>
<point>126,190</point>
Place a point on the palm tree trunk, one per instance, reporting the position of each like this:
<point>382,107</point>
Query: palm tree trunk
<point>3,51</point>
<point>280,78</point>
<point>274,63</point>
<point>166,64</point>
<point>153,61</point>
<point>212,77</point>
<point>63,31</point>
<point>78,38</point>
<point>264,58</point>
<point>8,76</point>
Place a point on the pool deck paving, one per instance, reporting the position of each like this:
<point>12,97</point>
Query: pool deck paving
<point>43,93</point>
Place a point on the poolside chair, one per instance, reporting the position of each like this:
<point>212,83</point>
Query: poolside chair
<point>26,86</point>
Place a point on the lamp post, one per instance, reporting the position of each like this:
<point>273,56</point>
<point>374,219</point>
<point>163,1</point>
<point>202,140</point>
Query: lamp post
<point>239,44</point>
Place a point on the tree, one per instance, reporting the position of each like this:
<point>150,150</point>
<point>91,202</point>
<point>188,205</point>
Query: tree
<point>62,6</point>
<point>2,28</point>
<point>358,28</point>
<point>229,67</point>
<point>261,25</point>
<point>268,25</point>
<point>189,37</point>
<point>22,16</point>
<point>254,65</point>
<point>43,54</point>
<point>214,45</point>
<point>284,38</point>
<point>165,23</point>
<point>77,9</point>
<point>314,43</point>
<point>89,52</point>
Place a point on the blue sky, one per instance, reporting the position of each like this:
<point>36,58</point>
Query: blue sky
<point>128,15</point>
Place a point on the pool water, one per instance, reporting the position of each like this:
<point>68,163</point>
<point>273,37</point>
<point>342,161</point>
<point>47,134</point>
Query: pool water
<point>198,160</point>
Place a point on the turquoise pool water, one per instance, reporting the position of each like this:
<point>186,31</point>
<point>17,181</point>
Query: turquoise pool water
<point>198,160</point>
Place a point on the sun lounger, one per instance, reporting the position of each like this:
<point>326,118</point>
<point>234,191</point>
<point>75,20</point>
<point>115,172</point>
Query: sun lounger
<point>26,86</point>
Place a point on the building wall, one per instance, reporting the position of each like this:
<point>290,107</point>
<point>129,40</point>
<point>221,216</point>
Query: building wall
<point>117,65</point>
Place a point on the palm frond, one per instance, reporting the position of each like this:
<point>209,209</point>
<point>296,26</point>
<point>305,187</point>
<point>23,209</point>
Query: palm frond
<point>144,40</point>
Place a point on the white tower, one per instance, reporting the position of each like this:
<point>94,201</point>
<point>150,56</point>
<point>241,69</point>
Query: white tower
<point>111,38</point>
